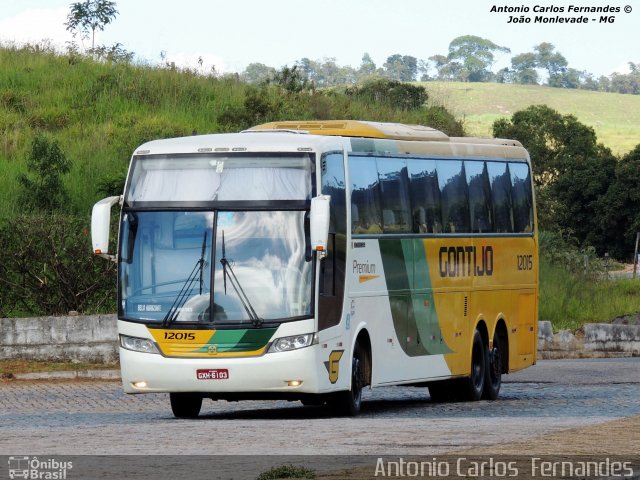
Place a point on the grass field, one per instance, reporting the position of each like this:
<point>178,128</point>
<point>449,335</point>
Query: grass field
<point>569,300</point>
<point>614,117</point>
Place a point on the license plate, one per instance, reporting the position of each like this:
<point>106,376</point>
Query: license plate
<point>212,374</point>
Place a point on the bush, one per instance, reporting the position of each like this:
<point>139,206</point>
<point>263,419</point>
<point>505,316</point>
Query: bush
<point>286,471</point>
<point>403,96</point>
<point>47,268</point>
<point>563,251</point>
<point>43,189</point>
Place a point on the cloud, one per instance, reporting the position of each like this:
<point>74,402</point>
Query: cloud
<point>623,68</point>
<point>36,24</point>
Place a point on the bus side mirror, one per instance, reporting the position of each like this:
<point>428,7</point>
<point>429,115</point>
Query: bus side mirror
<point>320,223</point>
<point>100,226</point>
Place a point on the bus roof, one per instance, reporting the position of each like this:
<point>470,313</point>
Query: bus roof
<point>365,129</point>
<point>358,128</point>
<point>360,136</point>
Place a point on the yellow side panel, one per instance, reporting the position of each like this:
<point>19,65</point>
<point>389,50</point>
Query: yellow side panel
<point>455,330</point>
<point>525,336</point>
<point>484,279</point>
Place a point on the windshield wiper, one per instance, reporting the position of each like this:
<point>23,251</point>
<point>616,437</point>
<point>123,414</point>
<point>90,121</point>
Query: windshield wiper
<point>187,287</point>
<point>246,303</point>
<point>131,237</point>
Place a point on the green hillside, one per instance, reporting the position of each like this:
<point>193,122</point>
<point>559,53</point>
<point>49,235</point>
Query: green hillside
<point>614,117</point>
<point>99,112</point>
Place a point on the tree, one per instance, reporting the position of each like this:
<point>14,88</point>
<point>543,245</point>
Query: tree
<point>626,83</point>
<point>423,69</point>
<point>504,75</point>
<point>553,62</point>
<point>258,73</point>
<point>578,193</point>
<point>292,79</point>
<point>550,137</point>
<point>557,145</point>
<point>524,68</point>
<point>475,55</point>
<point>367,67</point>
<point>43,189</point>
<point>89,16</point>
<point>401,67</point>
<point>619,213</point>
<point>443,67</point>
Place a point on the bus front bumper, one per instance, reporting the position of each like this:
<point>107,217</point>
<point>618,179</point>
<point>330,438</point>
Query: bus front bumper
<point>284,373</point>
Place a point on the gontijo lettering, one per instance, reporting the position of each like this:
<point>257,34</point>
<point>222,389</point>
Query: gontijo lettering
<point>466,261</point>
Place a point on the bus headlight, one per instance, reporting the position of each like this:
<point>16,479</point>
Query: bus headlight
<point>136,344</point>
<point>294,342</point>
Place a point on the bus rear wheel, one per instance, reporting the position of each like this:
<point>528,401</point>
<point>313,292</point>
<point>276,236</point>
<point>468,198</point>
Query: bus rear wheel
<point>493,375</point>
<point>185,405</point>
<point>472,387</point>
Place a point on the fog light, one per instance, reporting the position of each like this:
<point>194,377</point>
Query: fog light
<point>294,383</point>
<point>140,384</point>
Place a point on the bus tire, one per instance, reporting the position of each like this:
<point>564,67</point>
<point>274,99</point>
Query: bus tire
<point>493,375</point>
<point>348,402</point>
<point>185,405</point>
<point>472,387</point>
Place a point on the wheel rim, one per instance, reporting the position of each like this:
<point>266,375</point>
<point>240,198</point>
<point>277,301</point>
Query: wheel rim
<point>478,366</point>
<point>495,367</point>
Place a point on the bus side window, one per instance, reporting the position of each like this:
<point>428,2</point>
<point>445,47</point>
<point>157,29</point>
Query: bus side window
<point>479,196</point>
<point>501,196</point>
<point>425,196</point>
<point>454,196</point>
<point>365,195</point>
<point>522,197</point>
<point>394,194</point>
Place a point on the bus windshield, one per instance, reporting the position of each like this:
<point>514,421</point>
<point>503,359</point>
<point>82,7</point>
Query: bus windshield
<point>220,267</point>
<point>216,238</point>
<point>220,178</point>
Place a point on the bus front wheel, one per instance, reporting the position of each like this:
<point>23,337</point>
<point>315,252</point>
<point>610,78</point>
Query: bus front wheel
<point>185,405</point>
<point>348,402</point>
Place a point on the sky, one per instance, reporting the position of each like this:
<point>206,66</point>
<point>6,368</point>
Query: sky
<point>230,34</point>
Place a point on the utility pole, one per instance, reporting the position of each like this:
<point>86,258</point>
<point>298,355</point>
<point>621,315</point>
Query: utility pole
<point>635,256</point>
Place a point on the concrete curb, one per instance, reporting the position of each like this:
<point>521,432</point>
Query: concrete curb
<point>100,374</point>
<point>594,340</point>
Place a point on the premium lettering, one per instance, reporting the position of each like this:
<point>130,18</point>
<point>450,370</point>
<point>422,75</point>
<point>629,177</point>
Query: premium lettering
<point>369,268</point>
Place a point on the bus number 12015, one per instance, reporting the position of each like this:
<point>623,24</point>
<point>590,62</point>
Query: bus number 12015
<point>179,336</point>
<point>525,262</point>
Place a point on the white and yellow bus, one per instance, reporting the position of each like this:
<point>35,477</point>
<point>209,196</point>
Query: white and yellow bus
<point>308,260</point>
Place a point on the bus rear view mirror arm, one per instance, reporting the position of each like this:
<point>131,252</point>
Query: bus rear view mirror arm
<point>100,226</point>
<point>320,207</point>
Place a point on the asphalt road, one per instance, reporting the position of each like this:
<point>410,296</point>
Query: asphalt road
<point>84,418</point>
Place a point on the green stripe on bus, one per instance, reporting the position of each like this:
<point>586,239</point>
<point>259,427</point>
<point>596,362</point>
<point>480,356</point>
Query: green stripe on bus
<point>239,340</point>
<point>415,319</point>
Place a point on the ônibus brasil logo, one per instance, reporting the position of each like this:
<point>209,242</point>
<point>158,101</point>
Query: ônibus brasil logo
<point>40,469</point>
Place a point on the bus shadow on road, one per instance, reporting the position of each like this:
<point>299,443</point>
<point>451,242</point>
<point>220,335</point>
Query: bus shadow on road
<point>296,411</point>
